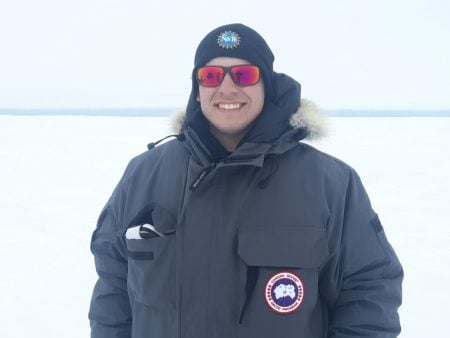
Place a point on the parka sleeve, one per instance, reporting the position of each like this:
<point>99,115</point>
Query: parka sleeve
<point>370,274</point>
<point>110,313</point>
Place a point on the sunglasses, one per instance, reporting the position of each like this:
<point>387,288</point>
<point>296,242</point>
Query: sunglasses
<point>242,75</point>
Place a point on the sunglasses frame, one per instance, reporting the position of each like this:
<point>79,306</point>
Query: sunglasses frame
<point>227,70</point>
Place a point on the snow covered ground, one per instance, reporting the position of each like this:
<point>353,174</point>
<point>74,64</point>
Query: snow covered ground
<point>57,172</point>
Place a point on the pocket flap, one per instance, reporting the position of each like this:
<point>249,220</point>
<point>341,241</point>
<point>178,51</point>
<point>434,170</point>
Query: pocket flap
<point>156,215</point>
<point>299,247</point>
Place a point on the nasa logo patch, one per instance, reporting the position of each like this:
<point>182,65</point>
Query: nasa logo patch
<point>228,39</point>
<point>284,292</point>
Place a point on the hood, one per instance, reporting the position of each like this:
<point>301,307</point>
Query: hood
<point>308,116</point>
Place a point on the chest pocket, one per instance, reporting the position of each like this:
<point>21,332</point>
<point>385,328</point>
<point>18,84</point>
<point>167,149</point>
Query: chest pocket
<point>151,261</point>
<point>284,296</point>
<point>151,270</point>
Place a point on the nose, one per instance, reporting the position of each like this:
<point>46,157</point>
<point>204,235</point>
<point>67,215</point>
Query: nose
<point>227,86</point>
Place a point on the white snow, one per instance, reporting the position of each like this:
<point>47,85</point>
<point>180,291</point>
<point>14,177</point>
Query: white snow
<point>57,172</point>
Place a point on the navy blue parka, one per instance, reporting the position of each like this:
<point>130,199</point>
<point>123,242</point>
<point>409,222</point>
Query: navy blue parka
<point>277,239</point>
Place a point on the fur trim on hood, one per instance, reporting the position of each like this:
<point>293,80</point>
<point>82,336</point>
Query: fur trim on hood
<point>307,116</point>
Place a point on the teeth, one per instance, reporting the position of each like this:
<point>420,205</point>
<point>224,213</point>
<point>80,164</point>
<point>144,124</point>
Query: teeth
<point>229,106</point>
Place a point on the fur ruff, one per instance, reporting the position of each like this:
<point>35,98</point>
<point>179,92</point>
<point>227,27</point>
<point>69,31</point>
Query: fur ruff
<point>307,116</point>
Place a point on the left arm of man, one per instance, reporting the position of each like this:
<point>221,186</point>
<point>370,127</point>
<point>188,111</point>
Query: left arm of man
<point>369,274</point>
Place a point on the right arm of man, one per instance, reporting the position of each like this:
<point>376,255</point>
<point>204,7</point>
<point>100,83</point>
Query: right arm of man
<point>110,313</point>
<point>110,310</point>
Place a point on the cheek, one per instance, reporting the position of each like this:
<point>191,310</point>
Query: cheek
<point>204,94</point>
<point>203,99</point>
<point>257,96</point>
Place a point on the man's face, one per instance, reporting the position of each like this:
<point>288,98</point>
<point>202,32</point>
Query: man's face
<point>229,108</point>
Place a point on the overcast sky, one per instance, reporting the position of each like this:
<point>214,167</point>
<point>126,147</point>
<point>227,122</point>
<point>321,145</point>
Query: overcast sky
<point>380,54</point>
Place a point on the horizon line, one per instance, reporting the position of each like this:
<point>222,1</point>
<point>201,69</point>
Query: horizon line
<point>167,111</point>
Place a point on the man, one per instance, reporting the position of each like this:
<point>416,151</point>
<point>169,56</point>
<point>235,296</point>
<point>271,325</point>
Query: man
<point>237,228</point>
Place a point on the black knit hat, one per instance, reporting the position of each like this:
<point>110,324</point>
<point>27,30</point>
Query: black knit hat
<point>237,41</point>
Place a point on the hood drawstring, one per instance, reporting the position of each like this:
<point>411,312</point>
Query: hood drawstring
<point>273,164</point>
<point>180,137</point>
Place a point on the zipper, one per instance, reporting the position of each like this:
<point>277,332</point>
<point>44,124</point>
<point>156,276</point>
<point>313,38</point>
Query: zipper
<point>211,322</point>
<point>179,311</point>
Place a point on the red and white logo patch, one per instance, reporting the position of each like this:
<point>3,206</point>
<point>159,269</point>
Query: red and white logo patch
<point>284,292</point>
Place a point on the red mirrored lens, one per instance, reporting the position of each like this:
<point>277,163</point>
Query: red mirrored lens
<point>210,76</point>
<point>243,75</point>
<point>246,75</point>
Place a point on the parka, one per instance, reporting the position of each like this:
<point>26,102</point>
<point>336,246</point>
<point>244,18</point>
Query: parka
<point>276,240</point>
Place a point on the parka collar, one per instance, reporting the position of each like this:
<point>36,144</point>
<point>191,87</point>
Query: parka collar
<point>306,123</point>
<point>307,117</point>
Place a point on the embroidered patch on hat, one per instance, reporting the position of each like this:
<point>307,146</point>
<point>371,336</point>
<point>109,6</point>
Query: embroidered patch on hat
<point>228,39</point>
<point>284,292</point>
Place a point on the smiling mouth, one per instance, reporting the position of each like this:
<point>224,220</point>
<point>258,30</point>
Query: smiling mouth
<point>230,106</point>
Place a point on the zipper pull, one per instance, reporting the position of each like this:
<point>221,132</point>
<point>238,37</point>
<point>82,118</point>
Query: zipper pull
<point>202,175</point>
